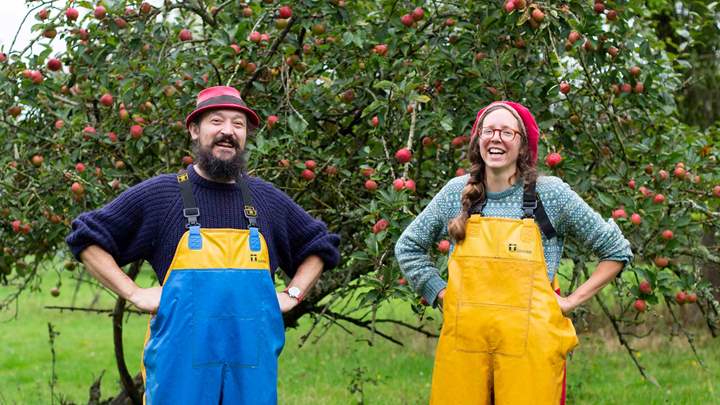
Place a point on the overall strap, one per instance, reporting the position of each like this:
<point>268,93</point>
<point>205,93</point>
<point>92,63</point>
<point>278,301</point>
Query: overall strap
<point>249,208</point>
<point>533,208</point>
<point>190,209</point>
<point>250,213</point>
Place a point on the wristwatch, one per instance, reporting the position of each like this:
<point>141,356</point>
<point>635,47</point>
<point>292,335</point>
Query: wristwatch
<point>294,292</point>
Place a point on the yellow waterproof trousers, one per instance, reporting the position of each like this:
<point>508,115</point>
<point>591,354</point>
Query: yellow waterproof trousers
<point>504,334</point>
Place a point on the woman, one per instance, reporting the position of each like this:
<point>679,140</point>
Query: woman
<point>504,333</point>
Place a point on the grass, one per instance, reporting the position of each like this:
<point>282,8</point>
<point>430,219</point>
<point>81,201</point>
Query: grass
<point>338,369</point>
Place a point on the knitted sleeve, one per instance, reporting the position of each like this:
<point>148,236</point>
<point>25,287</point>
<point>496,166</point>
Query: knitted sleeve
<point>127,226</point>
<point>411,249</point>
<point>572,216</point>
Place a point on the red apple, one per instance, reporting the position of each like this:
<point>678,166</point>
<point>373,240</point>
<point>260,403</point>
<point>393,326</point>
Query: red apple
<point>635,71</point>
<point>77,188</point>
<point>619,213</point>
<point>59,124</point>
<point>631,184</point>
<point>307,174</point>
<point>272,120</point>
<point>367,171</point>
<point>659,199</point>
<point>80,167</point>
<point>662,261</point>
<point>459,141</point>
<point>680,297</point>
<point>640,305</point>
<point>37,160</point>
<point>418,13</point>
<point>537,15</point>
<point>667,234</point>
<point>112,136</point>
<point>185,35</point>
<point>564,87</point>
<point>71,14</point>
<point>100,12</point>
<point>691,298</point>
<point>402,281</point>
<point>716,191</point>
<point>120,22</point>
<point>573,37</point>
<point>310,164</point>
<point>663,175</point>
<point>247,12</point>
<point>443,246</point>
<point>410,185</point>
<point>371,185</point>
<point>36,76</point>
<point>54,64</point>
<point>639,88</point>
<point>235,47</point>
<point>43,14</point>
<point>459,172</point>
<point>398,184</point>
<point>635,219</point>
<point>89,130</point>
<point>645,287</point>
<point>380,49</point>
<point>599,8</point>
<point>380,225</point>
<point>255,37</point>
<point>553,159</point>
<point>626,88</point>
<point>106,99</point>
<point>16,225</point>
<point>509,6</point>
<point>55,291</point>
<point>407,20</point>
<point>136,131</point>
<point>375,121</point>
<point>611,15</point>
<point>403,155</point>
<point>285,12</point>
<point>427,141</point>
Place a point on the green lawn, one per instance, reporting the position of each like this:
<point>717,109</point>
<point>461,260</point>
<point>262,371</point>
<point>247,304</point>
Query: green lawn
<point>600,372</point>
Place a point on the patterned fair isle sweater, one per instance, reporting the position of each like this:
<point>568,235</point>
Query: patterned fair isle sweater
<point>568,213</point>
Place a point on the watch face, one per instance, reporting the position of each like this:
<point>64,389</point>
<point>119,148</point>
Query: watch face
<point>294,292</point>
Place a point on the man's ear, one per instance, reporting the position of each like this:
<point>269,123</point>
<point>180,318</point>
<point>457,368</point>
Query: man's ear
<point>194,130</point>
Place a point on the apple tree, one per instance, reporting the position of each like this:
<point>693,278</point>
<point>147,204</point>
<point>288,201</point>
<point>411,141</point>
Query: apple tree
<point>367,109</point>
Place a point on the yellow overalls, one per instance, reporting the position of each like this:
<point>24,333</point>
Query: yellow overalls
<point>503,333</point>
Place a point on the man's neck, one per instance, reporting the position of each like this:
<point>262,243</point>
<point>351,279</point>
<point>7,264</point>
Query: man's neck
<point>199,170</point>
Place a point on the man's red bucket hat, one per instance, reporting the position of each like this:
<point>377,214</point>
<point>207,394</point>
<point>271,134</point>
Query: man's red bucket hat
<point>219,97</point>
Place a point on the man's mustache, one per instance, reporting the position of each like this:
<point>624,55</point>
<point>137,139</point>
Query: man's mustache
<point>224,138</point>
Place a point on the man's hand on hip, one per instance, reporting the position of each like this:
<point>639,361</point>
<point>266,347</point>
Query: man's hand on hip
<point>146,299</point>
<point>286,302</point>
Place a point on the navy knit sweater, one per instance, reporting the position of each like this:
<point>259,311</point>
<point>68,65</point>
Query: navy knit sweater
<point>146,222</point>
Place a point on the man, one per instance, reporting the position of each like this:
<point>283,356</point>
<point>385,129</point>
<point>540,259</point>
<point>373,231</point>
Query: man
<point>214,237</point>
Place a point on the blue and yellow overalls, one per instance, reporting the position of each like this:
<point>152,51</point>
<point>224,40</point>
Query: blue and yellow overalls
<point>218,331</point>
<point>504,338</point>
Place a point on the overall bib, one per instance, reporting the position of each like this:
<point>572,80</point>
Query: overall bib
<point>218,331</point>
<point>504,338</point>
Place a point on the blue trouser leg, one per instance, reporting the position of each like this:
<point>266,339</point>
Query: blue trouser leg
<point>217,337</point>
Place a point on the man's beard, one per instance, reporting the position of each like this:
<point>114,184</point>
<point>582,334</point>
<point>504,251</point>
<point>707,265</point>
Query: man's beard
<point>220,170</point>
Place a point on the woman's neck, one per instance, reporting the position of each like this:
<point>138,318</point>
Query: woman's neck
<point>500,180</point>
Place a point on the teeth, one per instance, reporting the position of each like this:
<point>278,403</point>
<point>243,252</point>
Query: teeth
<point>496,151</point>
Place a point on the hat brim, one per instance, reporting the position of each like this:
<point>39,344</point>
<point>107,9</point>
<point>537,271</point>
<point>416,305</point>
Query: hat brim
<point>250,114</point>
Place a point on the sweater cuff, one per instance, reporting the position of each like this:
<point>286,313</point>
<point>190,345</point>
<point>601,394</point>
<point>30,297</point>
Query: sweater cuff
<point>431,289</point>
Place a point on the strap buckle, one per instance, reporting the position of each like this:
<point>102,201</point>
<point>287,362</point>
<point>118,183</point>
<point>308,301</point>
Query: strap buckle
<point>192,215</point>
<point>250,211</point>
